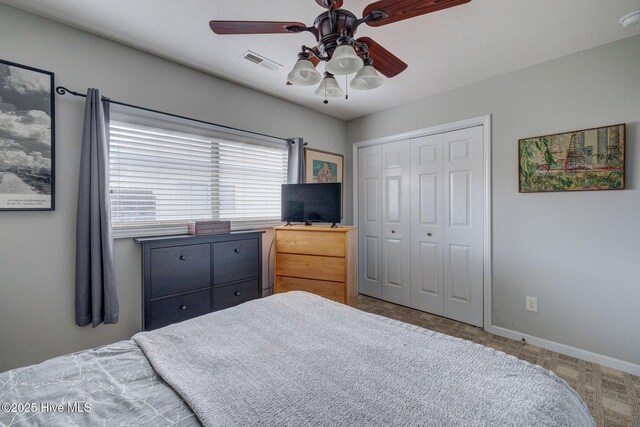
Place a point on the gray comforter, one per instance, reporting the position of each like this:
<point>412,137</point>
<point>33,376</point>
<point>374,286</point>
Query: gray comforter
<point>300,360</point>
<point>292,359</point>
<point>116,381</point>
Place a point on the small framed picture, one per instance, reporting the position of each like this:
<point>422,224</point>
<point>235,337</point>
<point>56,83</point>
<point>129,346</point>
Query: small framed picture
<point>322,166</point>
<point>27,133</point>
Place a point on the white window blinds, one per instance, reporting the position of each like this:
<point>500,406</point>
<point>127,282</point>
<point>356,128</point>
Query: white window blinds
<point>161,178</point>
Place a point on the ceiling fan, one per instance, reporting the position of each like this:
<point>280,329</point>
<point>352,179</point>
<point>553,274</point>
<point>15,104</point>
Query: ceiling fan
<point>335,31</point>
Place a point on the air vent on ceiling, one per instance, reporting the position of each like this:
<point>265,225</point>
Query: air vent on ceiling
<point>260,60</point>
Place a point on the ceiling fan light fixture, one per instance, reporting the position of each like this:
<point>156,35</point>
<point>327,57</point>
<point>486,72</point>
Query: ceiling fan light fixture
<point>329,87</point>
<point>367,78</point>
<point>631,18</point>
<point>345,60</point>
<point>304,73</point>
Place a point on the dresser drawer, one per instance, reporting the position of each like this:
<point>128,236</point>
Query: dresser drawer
<point>176,309</point>
<point>327,243</point>
<point>310,267</point>
<point>232,295</point>
<point>331,290</point>
<point>180,269</point>
<point>235,260</point>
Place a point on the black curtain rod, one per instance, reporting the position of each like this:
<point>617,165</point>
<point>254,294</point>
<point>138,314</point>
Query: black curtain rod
<point>61,90</point>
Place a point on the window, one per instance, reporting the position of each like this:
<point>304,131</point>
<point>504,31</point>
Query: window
<point>164,174</point>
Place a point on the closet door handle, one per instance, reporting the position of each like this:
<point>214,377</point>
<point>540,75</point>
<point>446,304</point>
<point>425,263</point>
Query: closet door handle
<point>236,250</point>
<point>183,258</point>
<point>237,293</point>
<point>429,234</point>
<point>183,307</point>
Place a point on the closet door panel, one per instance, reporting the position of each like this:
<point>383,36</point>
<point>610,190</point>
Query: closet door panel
<point>371,261</point>
<point>427,224</point>
<point>370,220</point>
<point>396,230</point>
<point>463,231</point>
<point>429,269</point>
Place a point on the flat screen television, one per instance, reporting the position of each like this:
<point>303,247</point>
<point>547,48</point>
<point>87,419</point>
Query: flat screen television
<point>311,203</point>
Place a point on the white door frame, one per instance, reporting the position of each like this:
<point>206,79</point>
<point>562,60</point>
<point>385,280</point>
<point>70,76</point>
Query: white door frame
<point>484,121</point>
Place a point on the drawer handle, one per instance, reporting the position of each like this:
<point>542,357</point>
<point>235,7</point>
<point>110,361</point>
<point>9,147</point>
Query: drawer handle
<point>183,307</point>
<point>236,250</point>
<point>237,293</point>
<point>429,234</point>
<point>183,258</point>
<point>393,231</point>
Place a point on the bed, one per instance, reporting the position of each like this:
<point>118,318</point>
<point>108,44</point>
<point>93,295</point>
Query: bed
<point>290,359</point>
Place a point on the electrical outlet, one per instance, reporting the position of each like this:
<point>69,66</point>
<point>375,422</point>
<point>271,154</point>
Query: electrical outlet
<point>532,304</point>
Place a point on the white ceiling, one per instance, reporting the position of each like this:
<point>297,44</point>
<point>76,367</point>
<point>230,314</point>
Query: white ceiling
<point>445,50</point>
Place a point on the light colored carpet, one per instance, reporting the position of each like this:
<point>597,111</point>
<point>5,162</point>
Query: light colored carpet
<point>613,397</point>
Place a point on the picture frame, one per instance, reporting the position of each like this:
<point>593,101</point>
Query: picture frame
<point>324,167</point>
<point>27,138</point>
<point>583,160</point>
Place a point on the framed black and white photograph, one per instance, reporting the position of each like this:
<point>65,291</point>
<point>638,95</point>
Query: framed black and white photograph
<point>27,160</point>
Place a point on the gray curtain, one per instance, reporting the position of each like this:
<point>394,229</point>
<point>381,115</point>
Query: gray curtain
<point>295,171</point>
<point>96,299</point>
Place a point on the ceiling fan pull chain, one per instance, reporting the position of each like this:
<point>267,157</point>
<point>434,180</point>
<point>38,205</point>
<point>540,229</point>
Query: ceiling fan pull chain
<point>346,86</point>
<point>326,101</point>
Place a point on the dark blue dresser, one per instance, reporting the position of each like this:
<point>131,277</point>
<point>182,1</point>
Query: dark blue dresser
<point>187,276</point>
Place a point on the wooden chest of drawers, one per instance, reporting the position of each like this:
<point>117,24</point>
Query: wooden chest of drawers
<point>317,259</point>
<point>184,276</point>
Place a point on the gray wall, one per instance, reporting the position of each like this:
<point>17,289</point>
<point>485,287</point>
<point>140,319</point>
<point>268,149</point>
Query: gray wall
<point>37,248</point>
<point>578,253</point>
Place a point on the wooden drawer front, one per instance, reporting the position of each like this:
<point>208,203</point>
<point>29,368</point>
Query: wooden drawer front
<point>235,260</point>
<point>232,295</point>
<point>310,267</point>
<point>176,309</point>
<point>330,290</point>
<point>328,243</point>
<point>180,269</point>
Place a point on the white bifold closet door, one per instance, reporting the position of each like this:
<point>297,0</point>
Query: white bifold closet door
<point>426,246</point>
<point>370,221</point>
<point>396,228</point>
<point>427,225</point>
<point>464,225</point>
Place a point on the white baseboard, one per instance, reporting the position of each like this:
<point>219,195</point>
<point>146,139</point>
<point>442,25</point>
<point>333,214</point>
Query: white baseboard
<point>589,356</point>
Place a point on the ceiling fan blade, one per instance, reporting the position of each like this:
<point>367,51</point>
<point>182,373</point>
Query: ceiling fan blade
<point>383,60</point>
<point>256,27</point>
<point>398,10</point>
<point>323,3</point>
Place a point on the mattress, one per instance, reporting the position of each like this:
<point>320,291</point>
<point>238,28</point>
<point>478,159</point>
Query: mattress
<point>293,359</point>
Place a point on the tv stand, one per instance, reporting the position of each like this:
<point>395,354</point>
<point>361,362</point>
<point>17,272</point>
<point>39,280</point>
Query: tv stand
<point>308,224</point>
